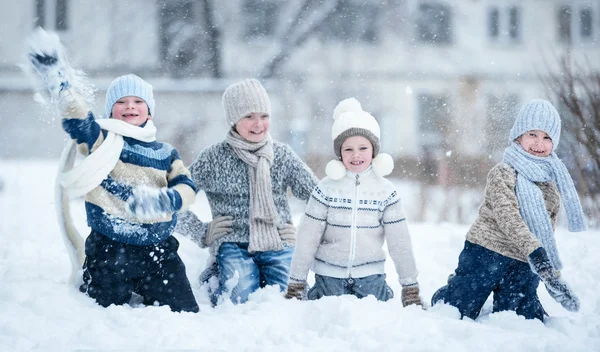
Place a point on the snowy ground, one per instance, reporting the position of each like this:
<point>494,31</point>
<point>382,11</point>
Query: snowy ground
<point>39,310</point>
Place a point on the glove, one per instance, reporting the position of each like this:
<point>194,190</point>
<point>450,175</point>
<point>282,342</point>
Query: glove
<point>410,295</point>
<point>147,203</point>
<point>287,232</point>
<point>296,290</point>
<point>555,285</point>
<point>46,55</point>
<point>217,228</point>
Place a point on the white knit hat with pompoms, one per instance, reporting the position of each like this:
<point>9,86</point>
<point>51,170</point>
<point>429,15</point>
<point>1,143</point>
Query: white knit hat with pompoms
<point>351,120</point>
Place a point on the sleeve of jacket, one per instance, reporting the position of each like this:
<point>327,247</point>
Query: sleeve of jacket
<point>301,179</point>
<point>79,122</point>
<point>179,179</point>
<point>500,190</point>
<point>398,240</point>
<point>310,231</point>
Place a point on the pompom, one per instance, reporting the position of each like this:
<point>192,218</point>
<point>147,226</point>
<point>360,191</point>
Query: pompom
<point>383,164</point>
<point>346,105</point>
<point>335,170</point>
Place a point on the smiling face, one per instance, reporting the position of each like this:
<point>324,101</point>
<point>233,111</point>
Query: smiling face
<point>536,143</point>
<point>357,153</point>
<point>131,109</point>
<point>253,127</point>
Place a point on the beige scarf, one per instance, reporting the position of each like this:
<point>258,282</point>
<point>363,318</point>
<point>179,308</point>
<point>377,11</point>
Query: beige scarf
<point>263,214</point>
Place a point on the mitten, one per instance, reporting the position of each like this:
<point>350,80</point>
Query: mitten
<point>287,232</point>
<point>410,295</point>
<point>296,290</point>
<point>147,203</point>
<point>217,228</point>
<point>46,55</point>
<point>555,285</point>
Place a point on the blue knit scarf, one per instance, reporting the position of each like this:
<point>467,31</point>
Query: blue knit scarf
<point>530,169</point>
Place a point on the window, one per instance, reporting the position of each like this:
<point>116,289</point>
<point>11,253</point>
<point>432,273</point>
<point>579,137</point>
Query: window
<point>434,121</point>
<point>577,23</point>
<point>504,23</point>
<point>352,21</point>
<point>501,112</point>
<point>434,23</point>
<point>52,14</point>
<point>260,17</point>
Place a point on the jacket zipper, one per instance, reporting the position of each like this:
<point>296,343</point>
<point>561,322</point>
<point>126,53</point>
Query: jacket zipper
<point>352,253</point>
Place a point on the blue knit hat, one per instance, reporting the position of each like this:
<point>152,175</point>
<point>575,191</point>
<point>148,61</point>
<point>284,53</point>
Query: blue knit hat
<point>129,85</point>
<point>538,114</point>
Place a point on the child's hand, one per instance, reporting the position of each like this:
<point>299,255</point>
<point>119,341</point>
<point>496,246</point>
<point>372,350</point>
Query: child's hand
<point>46,55</point>
<point>410,295</point>
<point>555,285</point>
<point>147,203</point>
<point>296,290</point>
<point>217,228</point>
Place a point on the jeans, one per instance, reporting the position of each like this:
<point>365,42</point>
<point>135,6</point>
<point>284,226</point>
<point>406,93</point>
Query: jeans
<point>360,287</point>
<point>242,272</point>
<point>481,272</point>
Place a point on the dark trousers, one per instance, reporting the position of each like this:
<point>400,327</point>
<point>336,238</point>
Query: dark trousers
<point>360,287</point>
<point>113,271</point>
<point>480,272</point>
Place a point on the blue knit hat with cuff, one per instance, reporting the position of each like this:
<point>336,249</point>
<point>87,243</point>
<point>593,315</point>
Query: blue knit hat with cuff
<point>538,114</point>
<point>129,85</point>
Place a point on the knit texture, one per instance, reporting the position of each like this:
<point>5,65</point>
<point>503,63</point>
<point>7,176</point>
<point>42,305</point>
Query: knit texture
<point>152,164</point>
<point>263,215</point>
<point>344,227</point>
<point>499,226</point>
<point>223,176</point>
<point>540,115</point>
<point>245,97</point>
<point>129,85</point>
<point>530,169</point>
<point>350,120</point>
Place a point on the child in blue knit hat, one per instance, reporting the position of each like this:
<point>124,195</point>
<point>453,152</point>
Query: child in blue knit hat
<point>133,187</point>
<point>511,245</point>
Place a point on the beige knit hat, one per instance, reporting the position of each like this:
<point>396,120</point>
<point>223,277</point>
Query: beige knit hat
<point>245,97</point>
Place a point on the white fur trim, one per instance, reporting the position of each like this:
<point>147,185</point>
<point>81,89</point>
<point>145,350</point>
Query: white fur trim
<point>383,164</point>
<point>335,170</point>
<point>346,105</point>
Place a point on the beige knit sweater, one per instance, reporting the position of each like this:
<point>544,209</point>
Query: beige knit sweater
<point>499,226</point>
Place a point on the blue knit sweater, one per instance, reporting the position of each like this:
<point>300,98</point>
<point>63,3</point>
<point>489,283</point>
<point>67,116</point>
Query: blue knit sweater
<point>152,164</point>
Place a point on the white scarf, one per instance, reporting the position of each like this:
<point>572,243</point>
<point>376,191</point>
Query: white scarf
<point>88,174</point>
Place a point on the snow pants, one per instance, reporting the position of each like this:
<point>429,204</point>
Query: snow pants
<point>360,287</point>
<point>252,270</point>
<point>480,272</point>
<point>114,270</point>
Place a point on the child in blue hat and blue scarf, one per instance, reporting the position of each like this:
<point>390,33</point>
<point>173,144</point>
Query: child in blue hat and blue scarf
<point>511,245</point>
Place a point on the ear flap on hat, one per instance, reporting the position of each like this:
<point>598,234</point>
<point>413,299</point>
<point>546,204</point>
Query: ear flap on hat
<point>335,169</point>
<point>383,164</point>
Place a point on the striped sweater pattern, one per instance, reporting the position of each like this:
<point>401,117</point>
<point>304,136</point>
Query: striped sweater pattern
<point>345,225</point>
<point>152,164</point>
<point>223,177</point>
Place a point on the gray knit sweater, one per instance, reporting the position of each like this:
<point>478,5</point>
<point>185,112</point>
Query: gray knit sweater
<point>224,178</point>
<point>342,232</point>
<point>499,226</point>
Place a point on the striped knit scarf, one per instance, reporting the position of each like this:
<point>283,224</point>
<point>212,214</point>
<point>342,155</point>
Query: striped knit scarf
<point>90,172</point>
<point>530,169</point>
<point>263,214</point>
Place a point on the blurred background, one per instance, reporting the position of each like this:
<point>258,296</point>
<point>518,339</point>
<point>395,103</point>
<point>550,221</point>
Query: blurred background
<point>444,79</point>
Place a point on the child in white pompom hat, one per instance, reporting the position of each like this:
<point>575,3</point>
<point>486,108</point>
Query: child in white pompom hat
<point>351,213</point>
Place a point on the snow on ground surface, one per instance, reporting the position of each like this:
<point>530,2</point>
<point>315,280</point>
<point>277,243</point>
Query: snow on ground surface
<point>39,310</point>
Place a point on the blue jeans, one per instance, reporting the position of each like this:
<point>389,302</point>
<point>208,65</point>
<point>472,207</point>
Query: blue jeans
<point>255,270</point>
<point>360,287</point>
<point>481,272</point>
